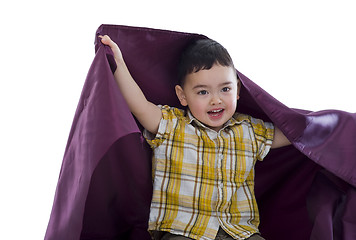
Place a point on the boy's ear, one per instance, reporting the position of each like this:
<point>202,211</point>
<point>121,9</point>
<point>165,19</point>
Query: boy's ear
<point>238,88</point>
<point>181,95</point>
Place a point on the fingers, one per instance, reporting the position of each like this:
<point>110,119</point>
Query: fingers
<point>106,40</point>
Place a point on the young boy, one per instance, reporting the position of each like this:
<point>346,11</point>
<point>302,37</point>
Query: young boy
<point>204,156</point>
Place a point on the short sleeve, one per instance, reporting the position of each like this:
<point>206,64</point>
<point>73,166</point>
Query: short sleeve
<point>264,134</point>
<point>167,124</point>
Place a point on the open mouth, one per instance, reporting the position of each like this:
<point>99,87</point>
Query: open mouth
<point>216,112</point>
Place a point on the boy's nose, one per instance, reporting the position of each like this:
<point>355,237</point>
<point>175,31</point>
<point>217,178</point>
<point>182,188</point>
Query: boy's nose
<point>215,99</point>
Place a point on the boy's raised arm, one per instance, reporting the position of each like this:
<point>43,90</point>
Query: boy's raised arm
<point>147,113</point>
<point>279,140</point>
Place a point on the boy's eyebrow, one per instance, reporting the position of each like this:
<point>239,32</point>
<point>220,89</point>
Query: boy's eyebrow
<point>200,86</point>
<point>205,86</point>
<point>226,83</point>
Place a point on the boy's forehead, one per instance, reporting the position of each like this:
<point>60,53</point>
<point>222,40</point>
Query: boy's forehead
<point>222,74</point>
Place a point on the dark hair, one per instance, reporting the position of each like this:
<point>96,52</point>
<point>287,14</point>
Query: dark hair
<point>202,54</point>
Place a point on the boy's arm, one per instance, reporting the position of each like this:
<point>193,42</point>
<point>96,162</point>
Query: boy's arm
<point>147,113</point>
<point>279,139</point>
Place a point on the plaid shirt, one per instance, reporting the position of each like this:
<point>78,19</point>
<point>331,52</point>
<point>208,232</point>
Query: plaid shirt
<point>204,179</point>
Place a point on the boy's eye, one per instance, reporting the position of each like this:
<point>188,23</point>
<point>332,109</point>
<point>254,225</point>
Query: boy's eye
<point>225,89</point>
<point>203,92</point>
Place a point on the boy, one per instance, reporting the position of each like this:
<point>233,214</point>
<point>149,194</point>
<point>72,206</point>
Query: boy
<point>204,156</point>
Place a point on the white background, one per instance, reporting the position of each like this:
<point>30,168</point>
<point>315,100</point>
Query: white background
<point>302,52</point>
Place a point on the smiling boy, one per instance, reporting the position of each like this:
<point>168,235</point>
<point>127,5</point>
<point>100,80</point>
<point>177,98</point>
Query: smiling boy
<point>211,95</point>
<point>204,156</point>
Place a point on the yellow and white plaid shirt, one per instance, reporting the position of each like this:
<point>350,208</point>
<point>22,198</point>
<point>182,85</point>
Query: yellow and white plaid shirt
<point>204,179</point>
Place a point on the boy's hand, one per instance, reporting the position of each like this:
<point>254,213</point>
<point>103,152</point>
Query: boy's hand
<point>116,50</point>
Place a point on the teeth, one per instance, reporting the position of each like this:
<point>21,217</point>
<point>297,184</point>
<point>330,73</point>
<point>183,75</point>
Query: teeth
<point>216,111</point>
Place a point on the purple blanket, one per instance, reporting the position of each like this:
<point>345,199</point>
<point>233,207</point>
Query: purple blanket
<point>304,191</point>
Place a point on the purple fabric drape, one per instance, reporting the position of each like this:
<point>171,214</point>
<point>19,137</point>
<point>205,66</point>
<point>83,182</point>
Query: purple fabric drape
<point>304,191</point>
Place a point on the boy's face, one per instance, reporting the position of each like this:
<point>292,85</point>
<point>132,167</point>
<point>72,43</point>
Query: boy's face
<point>211,95</point>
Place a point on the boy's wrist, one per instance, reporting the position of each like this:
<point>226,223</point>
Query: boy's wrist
<point>120,62</point>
